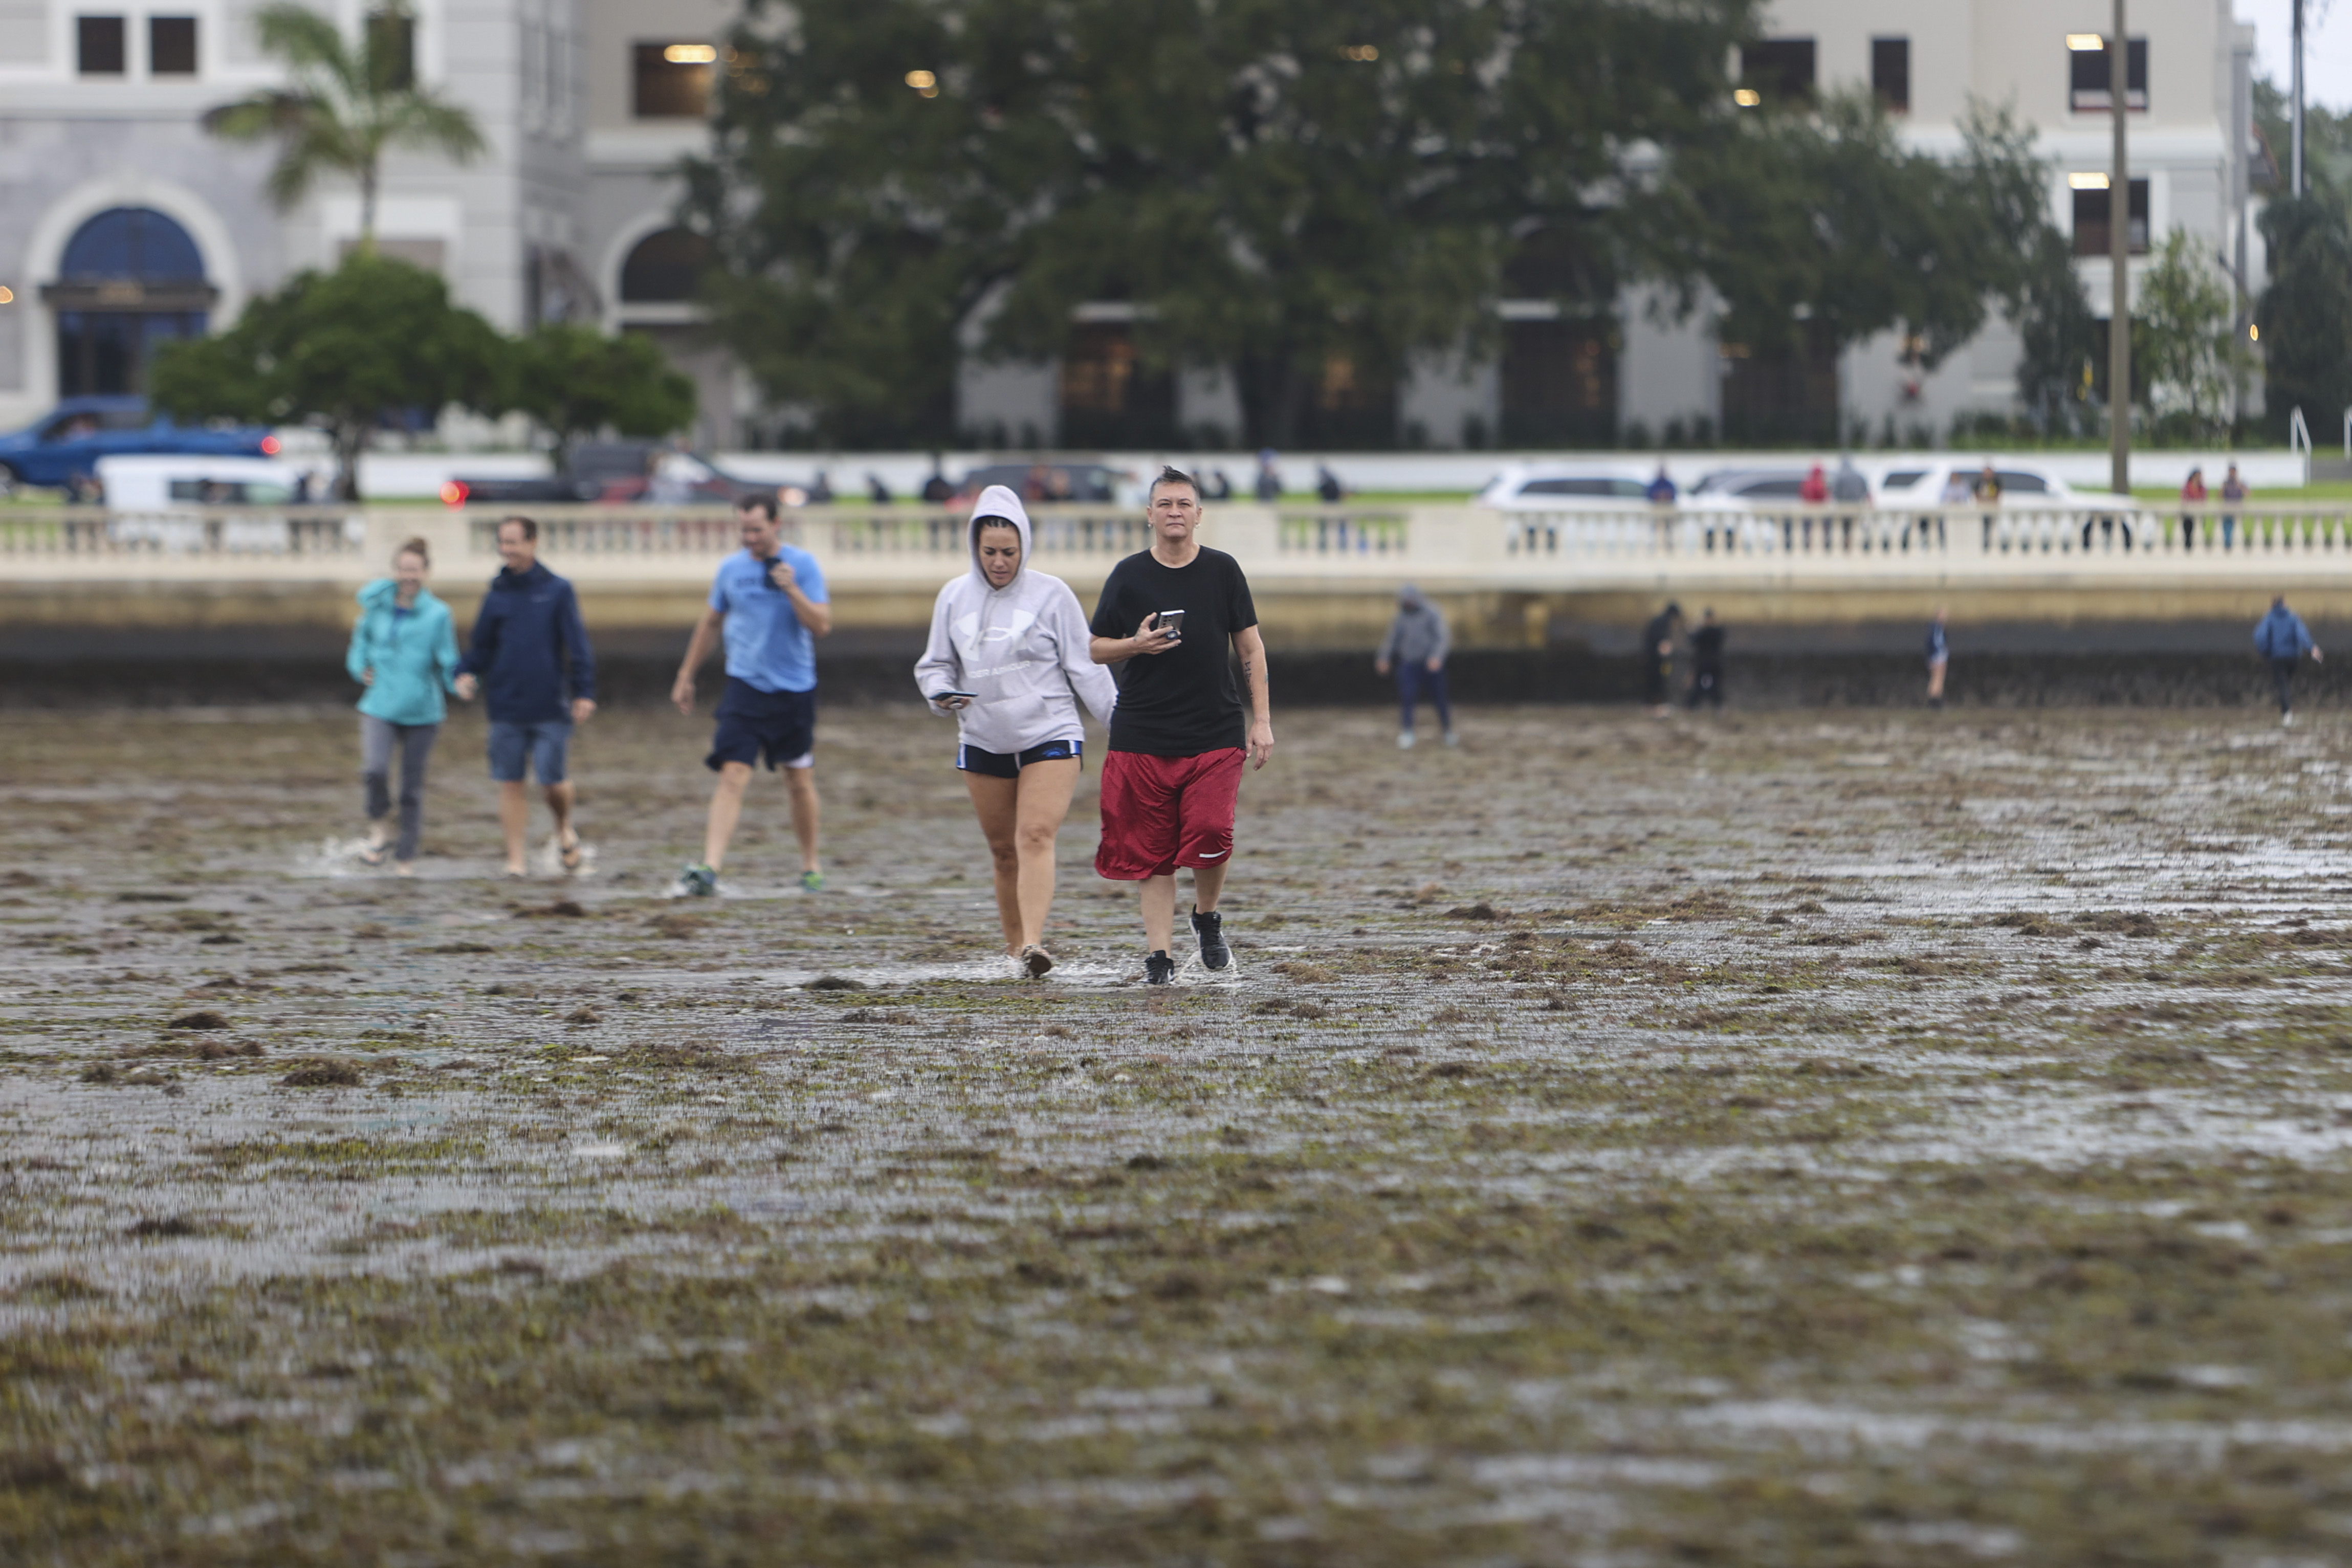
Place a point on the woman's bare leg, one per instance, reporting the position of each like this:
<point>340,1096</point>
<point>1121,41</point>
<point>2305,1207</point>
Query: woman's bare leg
<point>1045,801</point>
<point>996,801</point>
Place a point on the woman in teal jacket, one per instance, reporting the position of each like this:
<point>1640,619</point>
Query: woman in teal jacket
<point>404,650</point>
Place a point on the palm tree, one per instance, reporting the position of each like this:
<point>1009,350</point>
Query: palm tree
<point>343,107</point>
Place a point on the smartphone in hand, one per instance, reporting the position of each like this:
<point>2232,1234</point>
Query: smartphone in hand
<point>942,697</point>
<point>1172,621</point>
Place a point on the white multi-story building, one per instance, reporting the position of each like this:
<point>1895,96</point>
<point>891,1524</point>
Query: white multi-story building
<point>122,222</point>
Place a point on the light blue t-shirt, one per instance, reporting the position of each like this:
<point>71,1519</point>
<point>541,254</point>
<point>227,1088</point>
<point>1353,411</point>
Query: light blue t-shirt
<point>767,646</point>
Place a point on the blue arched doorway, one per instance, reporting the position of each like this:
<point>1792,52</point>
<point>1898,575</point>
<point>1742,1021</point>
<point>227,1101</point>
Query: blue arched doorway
<point>130,278</point>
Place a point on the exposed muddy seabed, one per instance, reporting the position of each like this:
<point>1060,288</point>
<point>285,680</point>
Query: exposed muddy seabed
<point>1785,1138</point>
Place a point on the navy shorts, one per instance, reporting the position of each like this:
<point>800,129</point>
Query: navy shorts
<point>545,744</point>
<point>751,721</point>
<point>999,765</point>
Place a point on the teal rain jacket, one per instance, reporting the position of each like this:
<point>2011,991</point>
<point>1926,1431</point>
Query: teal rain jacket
<point>415,655</point>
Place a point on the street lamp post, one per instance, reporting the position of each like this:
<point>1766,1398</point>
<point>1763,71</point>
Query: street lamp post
<point>2119,255</point>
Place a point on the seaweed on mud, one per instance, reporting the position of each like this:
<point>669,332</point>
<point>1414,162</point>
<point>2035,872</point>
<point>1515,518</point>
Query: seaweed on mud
<point>320,1073</point>
<point>1528,1249</point>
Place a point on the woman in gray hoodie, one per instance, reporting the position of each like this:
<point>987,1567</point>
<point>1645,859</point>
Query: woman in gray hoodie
<point>1008,658</point>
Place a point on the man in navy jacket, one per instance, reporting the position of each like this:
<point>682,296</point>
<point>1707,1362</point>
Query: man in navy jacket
<point>530,657</point>
<point>2283,640</point>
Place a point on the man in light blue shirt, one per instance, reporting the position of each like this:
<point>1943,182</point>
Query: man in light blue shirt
<point>768,604</point>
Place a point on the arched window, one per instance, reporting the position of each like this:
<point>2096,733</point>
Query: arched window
<point>665,269</point>
<point>131,243</point>
<point>130,279</point>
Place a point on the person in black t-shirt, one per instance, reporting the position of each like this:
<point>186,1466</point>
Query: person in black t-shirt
<point>1658,658</point>
<point>1180,735</point>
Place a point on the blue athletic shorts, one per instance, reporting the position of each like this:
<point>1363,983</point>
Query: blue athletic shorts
<point>545,744</point>
<point>999,765</point>
<point>751,721</point>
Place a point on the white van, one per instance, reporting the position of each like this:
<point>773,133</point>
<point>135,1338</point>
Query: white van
<point>162,502</point>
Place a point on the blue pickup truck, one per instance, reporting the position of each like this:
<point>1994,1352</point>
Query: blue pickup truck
<point>63,448</point>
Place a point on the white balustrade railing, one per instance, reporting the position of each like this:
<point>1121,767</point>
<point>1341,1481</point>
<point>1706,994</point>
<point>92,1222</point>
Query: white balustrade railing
<point>1343,546</point>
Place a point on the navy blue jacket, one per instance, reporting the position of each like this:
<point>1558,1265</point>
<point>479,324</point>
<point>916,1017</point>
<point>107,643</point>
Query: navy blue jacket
<point>528,630</point>
<point>2282,634</point>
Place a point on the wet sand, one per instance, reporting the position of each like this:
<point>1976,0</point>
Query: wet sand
<point>1801,1137</point>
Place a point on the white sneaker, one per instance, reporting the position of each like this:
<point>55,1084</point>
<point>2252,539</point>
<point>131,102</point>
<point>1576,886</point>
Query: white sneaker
<point>1452,738</point>
<point>1404,740</point>
<point>2286,719</point>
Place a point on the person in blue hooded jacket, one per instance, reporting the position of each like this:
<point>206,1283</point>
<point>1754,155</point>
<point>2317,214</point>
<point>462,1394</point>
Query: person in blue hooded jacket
<point>2283,638</point>
<point>405,652</point>
<point>530,659</point>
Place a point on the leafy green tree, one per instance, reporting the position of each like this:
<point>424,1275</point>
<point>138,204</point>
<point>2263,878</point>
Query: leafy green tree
<point>2059,362</point>
<point>2305,314</point>
<point>348,104</point>
<point>575,381</point>
<point>348,351</point>
<point>1820,223</point>
<point>1279,187</point>
<point>2185,335</point>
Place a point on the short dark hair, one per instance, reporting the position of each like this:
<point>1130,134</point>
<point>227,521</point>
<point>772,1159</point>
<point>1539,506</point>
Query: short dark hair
<point>991,522</point>
<point>758,501</point>
<point>530,528</point>
<point>1174,475</point>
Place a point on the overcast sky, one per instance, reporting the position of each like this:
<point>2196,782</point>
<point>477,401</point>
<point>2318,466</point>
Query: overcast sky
<point>2326,47</point>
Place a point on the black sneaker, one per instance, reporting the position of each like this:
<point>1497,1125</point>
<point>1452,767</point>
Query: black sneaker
<point>1159,969</point>
<point>1209,929</point>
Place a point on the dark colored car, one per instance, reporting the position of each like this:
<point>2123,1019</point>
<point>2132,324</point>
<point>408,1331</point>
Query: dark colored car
<point>1044,481</point>
<point>616,471</point>
<point>62,449</point>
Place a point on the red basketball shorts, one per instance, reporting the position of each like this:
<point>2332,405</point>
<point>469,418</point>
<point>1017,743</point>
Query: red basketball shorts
<point>1160,812</point>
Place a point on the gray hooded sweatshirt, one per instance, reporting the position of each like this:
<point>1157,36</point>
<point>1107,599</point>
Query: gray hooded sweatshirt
<point>1418,635</point>
<point>1021,649</point>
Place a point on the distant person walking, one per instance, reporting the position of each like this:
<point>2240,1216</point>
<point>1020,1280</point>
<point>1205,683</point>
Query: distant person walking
<point>1416,646</point>
<point>1268,488</point>
<point>2193,491</point>
<point>1658,659</point>
<point>1011,658</point>
<point>769,605</point>
<point>405,652</point>
<point>1987,493</point>
<point>530,660</point>
<point>1178,737</point>
<point>1707,661</point>
<point>2234,490</point>
<point>1850,490</point>
<point>1662,495</point>
<point>1660,489</point>
<point>1939,656</point>
<point>1328,487</point>
<point>2283,638</point>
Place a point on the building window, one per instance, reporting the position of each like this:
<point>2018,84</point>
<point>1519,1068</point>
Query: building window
<point>2092,236</point>
<point>665,269</point>
<point>1109,397</point>
<point>102,48</point>
<point>171,46</point>
<point>1890,74</point>
<point>673,80</point>
<point>2087,74</point>
<point>131,279</point>
<point>1560,383</point>
<point>392,48</point>
<point>1780,70</point>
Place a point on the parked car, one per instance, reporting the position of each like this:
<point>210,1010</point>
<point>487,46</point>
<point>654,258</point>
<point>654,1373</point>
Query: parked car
<point>1562,487</point>
<point>614,472</point>
<point>62,449</point>
<point>2027,488</point>
<point>172,503</point>
<point>1042,482</point>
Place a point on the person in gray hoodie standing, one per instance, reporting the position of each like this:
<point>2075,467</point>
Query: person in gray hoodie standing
<point>1416,645</point>
<point>1009,658</point>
